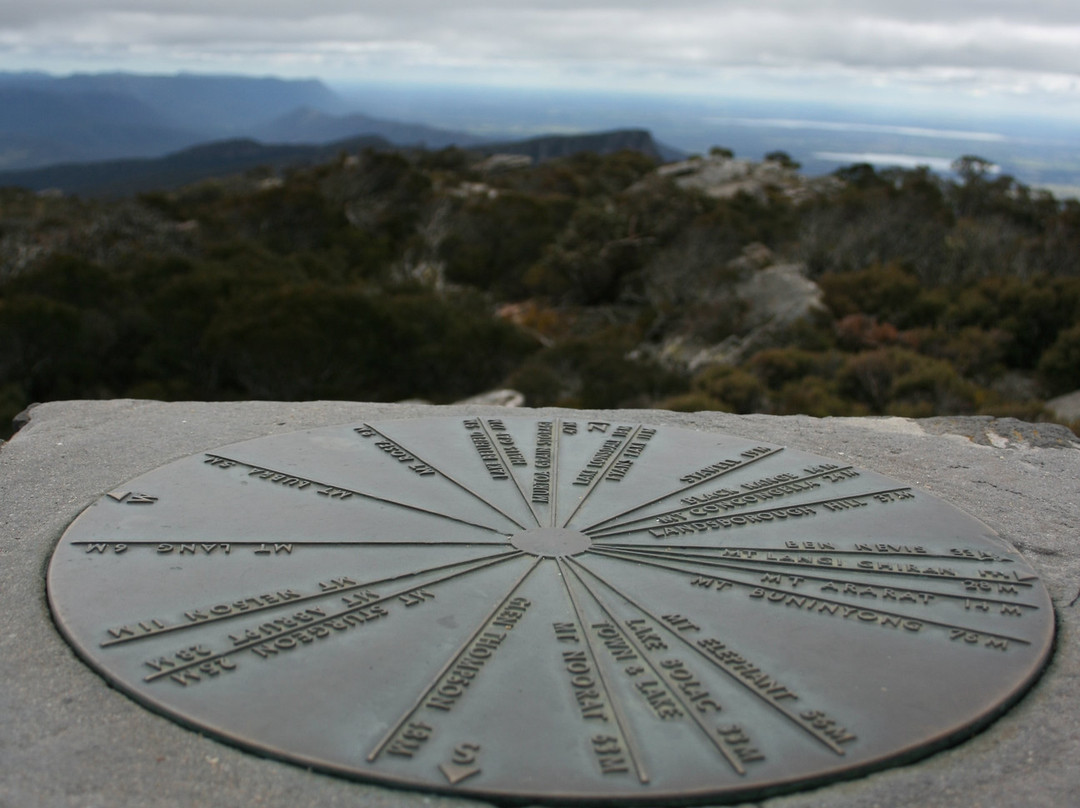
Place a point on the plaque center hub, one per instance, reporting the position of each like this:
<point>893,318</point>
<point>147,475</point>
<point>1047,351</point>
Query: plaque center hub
<point>551,542</point>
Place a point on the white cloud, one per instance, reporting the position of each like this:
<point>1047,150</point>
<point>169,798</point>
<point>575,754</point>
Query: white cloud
<point>981,45</point>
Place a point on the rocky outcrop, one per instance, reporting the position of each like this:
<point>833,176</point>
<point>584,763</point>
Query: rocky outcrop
<point>1003,433</point>
<point>769,296</point>
<point>1066,407</point>
<point>721,176</point>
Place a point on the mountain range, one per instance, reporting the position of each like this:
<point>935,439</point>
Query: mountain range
<point>113,134</point>
<point>79,123</point>
<point>46,120</point>
<point>114,178</point>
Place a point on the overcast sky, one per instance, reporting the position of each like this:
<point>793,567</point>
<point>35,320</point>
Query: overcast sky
<point>1002,49</point>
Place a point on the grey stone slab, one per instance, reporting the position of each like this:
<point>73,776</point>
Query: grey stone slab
<point>66,738</point>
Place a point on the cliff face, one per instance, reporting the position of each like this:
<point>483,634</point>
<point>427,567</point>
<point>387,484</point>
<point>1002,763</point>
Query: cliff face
<point>550,147</point>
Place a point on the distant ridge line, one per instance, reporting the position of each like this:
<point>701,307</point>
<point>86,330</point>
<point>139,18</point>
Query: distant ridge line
<point>112,178</point>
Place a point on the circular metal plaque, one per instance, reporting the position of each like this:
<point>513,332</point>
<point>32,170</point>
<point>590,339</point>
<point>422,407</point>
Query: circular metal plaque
<point>544,609</point>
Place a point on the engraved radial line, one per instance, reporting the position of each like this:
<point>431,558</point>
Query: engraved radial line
<point>217,618</point>
<point>453,660</point>
<point>302,543</point>
<point>937,623</point>
<point>319,621</point>
<point>376,498</point>
<point>727,498</point>
<point>595,482</point>
<point>553,510</point>
<point>742,564</point>
<point>802,551</point>
<point>612,532</point>
<point>509,469</point>
<point>616,708</point>
<point>835,747</point>
<point>447,477</point>
<point>842,574</point>
<point>741,465</point>
<point>733,761</point>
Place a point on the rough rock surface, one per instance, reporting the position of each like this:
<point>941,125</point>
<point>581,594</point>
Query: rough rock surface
<point>770,298</point>
<point>67,739</point>
<point>722,177</point>
<point>1066,407</point>
<point>774,297</point>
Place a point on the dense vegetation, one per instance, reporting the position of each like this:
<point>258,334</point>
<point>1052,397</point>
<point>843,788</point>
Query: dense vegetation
<point>385,275</point>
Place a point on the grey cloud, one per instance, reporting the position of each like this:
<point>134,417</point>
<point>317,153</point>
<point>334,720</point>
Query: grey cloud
<point>417,11</point>
<point>1019,35</point>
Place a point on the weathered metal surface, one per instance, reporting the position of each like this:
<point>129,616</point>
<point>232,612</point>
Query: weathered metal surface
<point>543,609</point>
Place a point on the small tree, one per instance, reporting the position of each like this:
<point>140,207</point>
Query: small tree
<point>971,169</point>
<point>784,159</point>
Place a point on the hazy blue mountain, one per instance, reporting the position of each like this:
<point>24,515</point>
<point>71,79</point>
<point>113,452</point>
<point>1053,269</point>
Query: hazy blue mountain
<point>33,111</point>
<point>198,102</point>
<point>46,120</point>
<point>40,126</point>
<point>217,159</point>
<point>549,147</point>
<point>309,125</point>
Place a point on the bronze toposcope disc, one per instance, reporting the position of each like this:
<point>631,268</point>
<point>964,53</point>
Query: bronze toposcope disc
<point>551,609</point>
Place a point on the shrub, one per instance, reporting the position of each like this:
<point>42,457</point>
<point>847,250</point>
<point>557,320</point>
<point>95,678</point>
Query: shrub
<point>778,366</point>
<point>319,341</point>
<point>887,292</point>
<point>491,243</point>
<point>592,372</point>
<point>901,382</point>
<point>13,400</point>
<point>816,396</point>
<point>976,353</point>
<point>737,390</point>
<point>867,377</point>
<point>693,402</point>
<point>856,332</point>
<point>931,386</point>
<point>1059,367</point>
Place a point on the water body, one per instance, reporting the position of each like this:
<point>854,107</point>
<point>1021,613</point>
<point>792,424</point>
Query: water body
<point>939,164</point>
<point>871,128</point>
<point>1038,151</point>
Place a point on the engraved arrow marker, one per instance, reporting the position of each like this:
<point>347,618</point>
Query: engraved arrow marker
<point>463,765</point>
<point>132,498</point>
